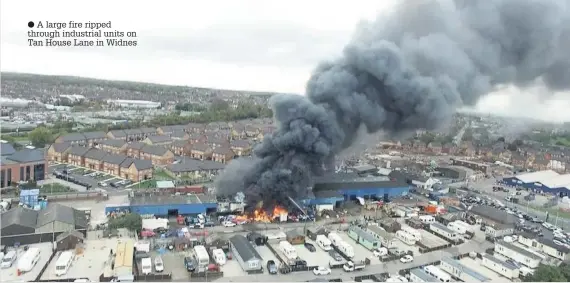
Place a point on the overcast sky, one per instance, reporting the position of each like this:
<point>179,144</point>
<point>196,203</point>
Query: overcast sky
<point>247,44</point>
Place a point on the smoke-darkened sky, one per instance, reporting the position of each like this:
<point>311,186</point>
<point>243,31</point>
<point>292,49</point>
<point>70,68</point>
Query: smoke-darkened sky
<point>249,44</point>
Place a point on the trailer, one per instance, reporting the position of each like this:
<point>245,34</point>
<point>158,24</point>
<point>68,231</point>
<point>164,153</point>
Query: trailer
<point>457,228</point>
<point>406,237</point>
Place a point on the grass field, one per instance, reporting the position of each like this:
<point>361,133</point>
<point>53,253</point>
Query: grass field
<point>161,175</point>
<point>146,184</point>
<point>55,188</point>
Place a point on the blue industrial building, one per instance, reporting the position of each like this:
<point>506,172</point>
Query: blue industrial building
<point>546,181</point>
<point>339,187</point>
<point>166,204</point>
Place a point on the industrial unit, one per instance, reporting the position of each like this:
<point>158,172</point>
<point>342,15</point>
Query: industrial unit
<point>166,204</point>
<point>462,272</point>
<point>547,181</point>
<point>244,252</point>
<point>348,186</point>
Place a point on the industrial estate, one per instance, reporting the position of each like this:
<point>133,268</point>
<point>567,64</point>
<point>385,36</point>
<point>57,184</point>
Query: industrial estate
<point>374,175</point>
<point>140,204</point>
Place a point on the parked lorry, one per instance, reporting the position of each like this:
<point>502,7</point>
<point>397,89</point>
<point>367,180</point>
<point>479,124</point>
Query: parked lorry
<point>352,266</point>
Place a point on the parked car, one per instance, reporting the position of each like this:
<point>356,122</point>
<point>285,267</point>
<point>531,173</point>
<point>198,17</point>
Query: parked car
<point>158,264</point>
<point>189,264</point>
<point>310,247</point>
<point>406,259</point>
<point>379,252</point>
<point>229,224</point>
<point>271,267</point>
<point>321,270</point>
<point>336,256</point>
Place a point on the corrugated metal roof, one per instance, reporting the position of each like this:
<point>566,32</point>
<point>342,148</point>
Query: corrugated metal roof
<point>539,176</point>
<point>557,182</point>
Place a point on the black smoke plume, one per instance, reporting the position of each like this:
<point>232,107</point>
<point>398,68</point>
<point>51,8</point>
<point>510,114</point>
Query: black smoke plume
<point>405,71</point>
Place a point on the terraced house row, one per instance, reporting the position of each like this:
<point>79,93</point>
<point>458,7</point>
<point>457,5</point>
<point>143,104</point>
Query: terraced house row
<point>228,131</point>
<point>161,145</point>
<point>120,165</point>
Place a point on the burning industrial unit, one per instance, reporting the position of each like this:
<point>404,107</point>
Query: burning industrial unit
<point>400,73</point>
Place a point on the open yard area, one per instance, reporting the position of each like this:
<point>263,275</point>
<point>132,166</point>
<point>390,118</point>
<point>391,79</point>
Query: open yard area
<point>233,269</point>
<point>89,264</point>
<point>55,188</point>
<point>11,274</point>
<point>317,258</point>
<point>266,255</point>
<point>360,251</point>
<point>174,264</point>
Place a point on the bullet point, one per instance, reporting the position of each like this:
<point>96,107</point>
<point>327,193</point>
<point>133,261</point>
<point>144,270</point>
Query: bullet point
<point>30,24</point>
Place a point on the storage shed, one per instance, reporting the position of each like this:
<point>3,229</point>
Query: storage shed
<point>295,237</point>
<point>246,254</point>
<point>390,225</point>
<point>69,240</point>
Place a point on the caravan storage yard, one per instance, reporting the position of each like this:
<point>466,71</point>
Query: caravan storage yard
<point>11,274</point>
<point>90,264</point>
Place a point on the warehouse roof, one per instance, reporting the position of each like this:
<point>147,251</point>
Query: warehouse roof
<point>21,216</point>
<point>462,268</point>
<point>353,181</point>
<point>53,212</point>
<point>558,181</point>
<point>493,214</point>
<point>539,176</point>
<point>151,198</point>
<point>244,248</point>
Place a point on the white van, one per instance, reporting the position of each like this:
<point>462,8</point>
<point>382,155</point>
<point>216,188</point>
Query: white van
<point>146,266</point>
<point>158,264</point>
<point>9,259</point>
<point>29,259</point>
<point>219,256</point>
<point>63,263</point>
<point>324,243</point>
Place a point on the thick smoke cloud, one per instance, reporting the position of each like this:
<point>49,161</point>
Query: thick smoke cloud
<point>407,71</point>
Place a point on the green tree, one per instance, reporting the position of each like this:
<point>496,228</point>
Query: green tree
<point>130,221</point>
<point>11,140</point>
<point>547,273</point>
<point>40,136</point>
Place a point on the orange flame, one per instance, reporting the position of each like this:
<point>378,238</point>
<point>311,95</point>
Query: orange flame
<point>260,215</point>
